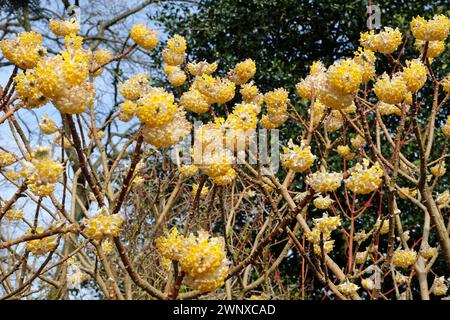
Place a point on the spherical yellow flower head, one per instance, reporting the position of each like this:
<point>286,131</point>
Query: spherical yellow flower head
<point>244,117</point>
<point>391,90</point>
<point>63,27</point>
<point>249,91</point>
<point>99,59</point>
<point>318,109</point>
<point>361,257</point>
<point>176,76</point>
<point>41,246</point>
<point>25,51</point>
<point>170,133</point>
<point>46,174</point>
<point>297,158</point>
<point>217,90</point>
<point>270,122</point>
<point>443,198</point>
<point>345,152</point>
<point>364,179</point>
<point>48,126</point>
<point>345,76</point>
<point>435,48</point>
<point>404,258</point>
<point>225,179</point>
<point>347,288</point>
<point>172,58</point>
<point>328,247</point>
<point>327,224</point>
<point>6,159</point>
<point>334,121</point>
<point>76,99</point>
<point>446,128</point>
<point>75,67</point>
<point>365,58</point>
<point>128,107</point>
<point>368,284</point>
<point>436,29</point>
<point>177,44</point>
<point>438,170</point>
<point>156,107</point>
<point>404,192</point>
<point>386,42</point>
<point>103,226</point>
<point>171,245</point>
<point>428,252</point>
<point>324,181</point>
<point>73,43</point>
<point>13,214</point>
<point>276,101</point>
<point>132,88</point>
<point>187,171</point>
<point>321,202</point>
<point>358,141</point>
<point>415,75</point>
<point>27,90</point>
<point>445,83</point>
<point>382,226</point>
<point>193,100</point>
<point>200,68</point>
<point>209,281</point>
<point>386,109</point>
<point>215,162</point>
<point>331,97</point>
<point>439,286</point>
<point>145,37</point>
<point>243,71</point>
<point>204,254</point>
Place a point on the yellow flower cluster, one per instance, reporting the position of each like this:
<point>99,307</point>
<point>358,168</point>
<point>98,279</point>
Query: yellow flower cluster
<point>48,126</point>
<point>439,286</point>
<point>41,246</point>
<point>277,103</point>
<point>308,85</point>
<point>99,59</point>
<point>345,76</point>
<point>200,68</point>
<point>42,173</point>
<point>132,88</point>
<point>297,158</point>
<point>211,155</point>
<point>203,193</point>
<point>217,90</point>
<point>365,58</point>
<point>438,170</point>
<point>156,108</point>
<point>175,53</point>
<point>187,171</point>
<point>404,192</point>
<point>415,75</point>
<point>324,181</point>
<point>6,159</point>
<point>436,29</point>
<point>14,214</point>
<point>386,42</point>
<point>103,226</point>
<point>386,109</point>
<point>345,152</point>
<point>145,37</point>
<point>382,226</point>
<point>435,48</point>
<point>428,252</point>
<point>322,202</point>
<point>364,179</point>
<point>322,231</point>
<point>201,257</point>
<point>175,75</point>
<point>193,100</point>
<point>391,90</point>
<point>358,141</point>
<point>446,128</point>
<point>27,90</point>
<point>404,258</point>
<point>25,51</point>
<point>243,71</point>
<point>347,288</point>
<point>64,28</point>
<point>334,121</point>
